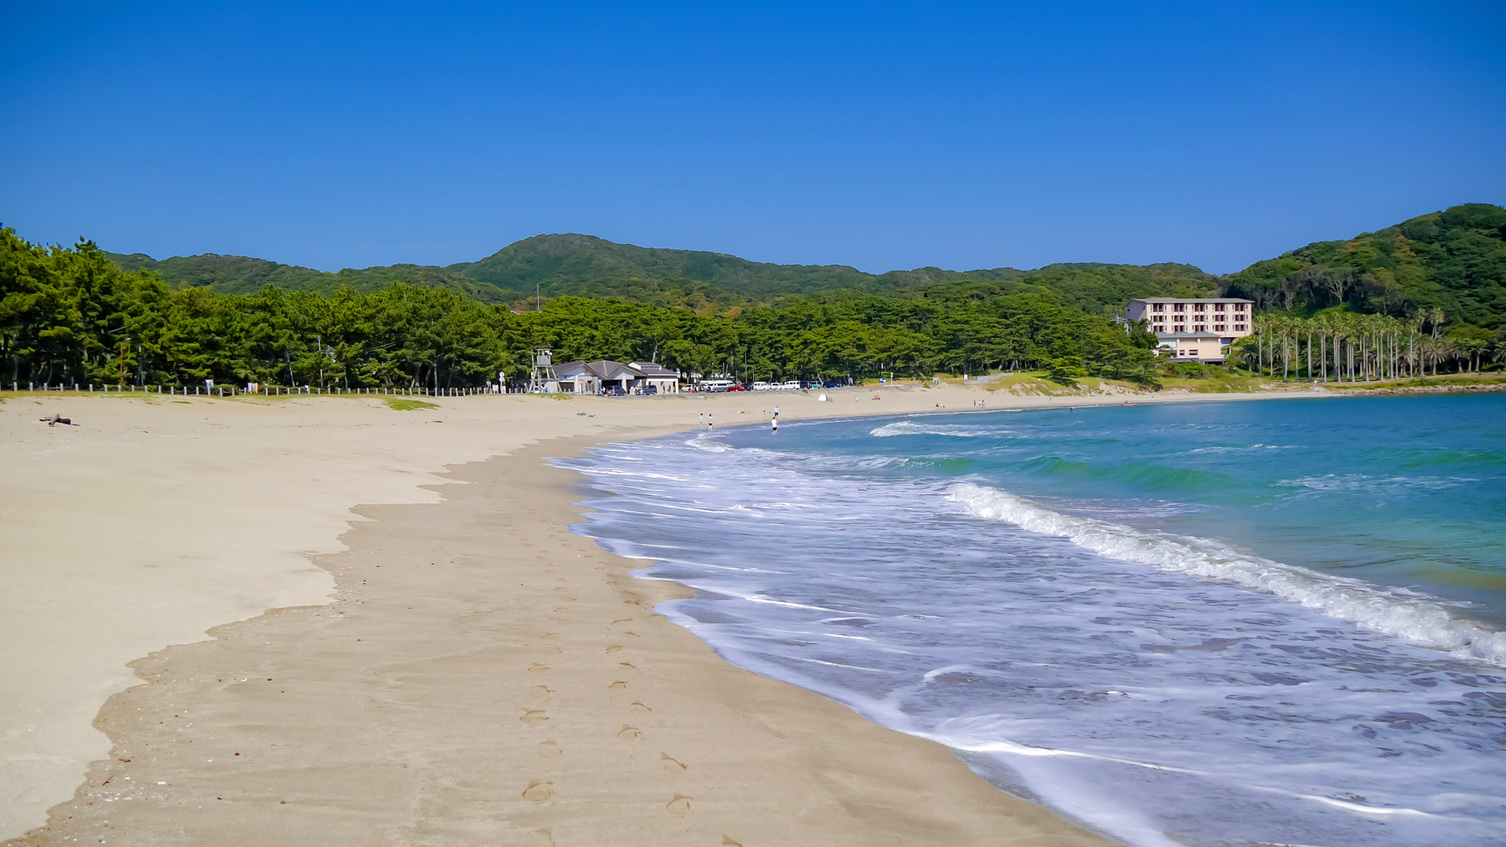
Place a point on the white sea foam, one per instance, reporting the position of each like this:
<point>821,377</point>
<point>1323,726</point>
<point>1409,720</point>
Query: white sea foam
<point>709,443</point>
<point>1242,448</point>
<point>890,430</point>
<point>1368,484</point>
<point>1411,617</point>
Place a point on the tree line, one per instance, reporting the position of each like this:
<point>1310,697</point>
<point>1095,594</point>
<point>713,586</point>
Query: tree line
<point>1342,346</point>
<point>71,315</point>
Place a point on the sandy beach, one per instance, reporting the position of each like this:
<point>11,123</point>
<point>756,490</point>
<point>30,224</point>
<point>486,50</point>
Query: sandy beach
<point>362,625</point>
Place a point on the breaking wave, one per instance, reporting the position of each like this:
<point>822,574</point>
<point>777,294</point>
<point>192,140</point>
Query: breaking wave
<point>1412,617</point>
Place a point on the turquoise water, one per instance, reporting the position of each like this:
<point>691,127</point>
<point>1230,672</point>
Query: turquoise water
<point>1271,622</point>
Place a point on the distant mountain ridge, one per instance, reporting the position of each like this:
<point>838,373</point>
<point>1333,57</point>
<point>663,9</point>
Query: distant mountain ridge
<point>1454,260</point>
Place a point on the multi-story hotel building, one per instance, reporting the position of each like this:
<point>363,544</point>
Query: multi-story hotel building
<point>1194,330</point>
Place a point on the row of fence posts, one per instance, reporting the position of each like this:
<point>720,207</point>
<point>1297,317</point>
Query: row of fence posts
<point>232,391</point>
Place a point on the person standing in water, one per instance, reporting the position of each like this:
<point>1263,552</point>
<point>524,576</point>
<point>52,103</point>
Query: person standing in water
<point>775,421</point>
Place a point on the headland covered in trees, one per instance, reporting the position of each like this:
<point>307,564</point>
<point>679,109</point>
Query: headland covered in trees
<point>1428,294</point>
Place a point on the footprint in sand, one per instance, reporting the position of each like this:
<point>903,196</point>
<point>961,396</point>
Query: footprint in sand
<point>613,648</point>
<point>538,791</point>
<point>540,690</point>
<point>617,683</point>
<point>680,805</point>
<point>639,707</point>
<point>672,764</point>
<point>534,716</point>
<point>622,620</point>
<point>728,842</point>
<point>551,749</point>
<point>554,648</point>
<point>535,667</point>
<point>550,635</point>
<point>629,733</point>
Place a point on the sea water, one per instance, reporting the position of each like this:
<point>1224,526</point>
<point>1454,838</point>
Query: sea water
<point>1268,622</point>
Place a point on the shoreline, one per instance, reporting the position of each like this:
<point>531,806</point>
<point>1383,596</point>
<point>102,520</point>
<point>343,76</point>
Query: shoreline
<point>346,449</point>
<point>560,711</point>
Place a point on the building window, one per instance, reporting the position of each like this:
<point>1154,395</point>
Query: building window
<point>1218,307</point>
<point>1178,307</point>
<point>1240,307</point>
<point>1197,307</point>
<point>1158,307</point>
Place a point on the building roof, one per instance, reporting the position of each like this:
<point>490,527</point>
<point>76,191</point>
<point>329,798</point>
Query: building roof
<point>606,369</point>
<point>652,369</point>
<point>1166,335</point>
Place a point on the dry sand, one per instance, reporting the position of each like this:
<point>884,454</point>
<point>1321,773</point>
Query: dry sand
<point>465,671</point>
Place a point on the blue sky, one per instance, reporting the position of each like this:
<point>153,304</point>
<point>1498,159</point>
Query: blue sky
<point>879,135</point>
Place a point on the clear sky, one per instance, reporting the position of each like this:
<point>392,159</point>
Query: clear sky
<point>875,134</point>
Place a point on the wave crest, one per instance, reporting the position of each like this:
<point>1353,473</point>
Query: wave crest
<point>1415,619</point>
<point>890,430</point>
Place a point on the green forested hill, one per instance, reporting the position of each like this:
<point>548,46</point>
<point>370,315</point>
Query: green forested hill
<point>1095,288</point>
<point>586,266</point>
<point>1452,261</point>
<point>245,275</point>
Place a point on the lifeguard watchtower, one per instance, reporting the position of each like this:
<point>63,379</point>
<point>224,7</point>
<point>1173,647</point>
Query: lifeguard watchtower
<point>543,379</point>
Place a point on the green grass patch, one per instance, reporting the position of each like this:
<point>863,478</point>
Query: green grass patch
<point>405,404</point>
<point>1449,381</point>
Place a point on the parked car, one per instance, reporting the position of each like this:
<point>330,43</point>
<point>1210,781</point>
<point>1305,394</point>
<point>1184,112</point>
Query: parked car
<point>831,383</point>
<point>736,388</point>
<point>761,386</point>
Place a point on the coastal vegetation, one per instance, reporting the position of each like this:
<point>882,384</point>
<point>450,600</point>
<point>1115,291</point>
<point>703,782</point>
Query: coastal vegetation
<point>1424,297</point>
<point>71,315</point>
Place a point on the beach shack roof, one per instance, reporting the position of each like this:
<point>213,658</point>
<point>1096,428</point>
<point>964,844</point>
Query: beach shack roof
<point>654,370</point>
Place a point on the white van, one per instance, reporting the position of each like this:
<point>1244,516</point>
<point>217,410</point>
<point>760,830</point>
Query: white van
<point>714,385</point>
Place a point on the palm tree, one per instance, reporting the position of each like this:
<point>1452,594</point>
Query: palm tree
<point>1307,325</point>
<point>1325,326</point>
<point>1473,348</point>
<point>1262,325</point>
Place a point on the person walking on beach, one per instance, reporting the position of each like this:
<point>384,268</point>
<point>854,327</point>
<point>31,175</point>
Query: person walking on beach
<point>709,424</point>
<point>775,421</point>
<point>776,414</point>
<point>701,419</point>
